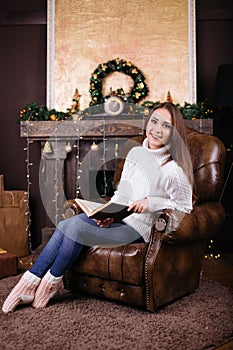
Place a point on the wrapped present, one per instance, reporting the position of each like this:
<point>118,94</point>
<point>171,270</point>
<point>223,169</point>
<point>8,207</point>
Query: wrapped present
<point>14,221</point>
<point>8,264</point>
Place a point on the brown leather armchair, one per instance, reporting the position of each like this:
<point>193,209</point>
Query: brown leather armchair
<point>168,267</point>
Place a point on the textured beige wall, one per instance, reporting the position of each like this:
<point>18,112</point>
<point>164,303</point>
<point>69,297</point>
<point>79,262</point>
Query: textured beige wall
<point>152,34</point>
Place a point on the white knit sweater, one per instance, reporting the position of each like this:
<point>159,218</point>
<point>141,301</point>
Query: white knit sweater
<point>144,176</point>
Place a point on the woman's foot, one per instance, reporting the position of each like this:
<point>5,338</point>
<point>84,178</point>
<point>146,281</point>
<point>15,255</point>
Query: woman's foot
<point>24,292</point>
<point>46,290</point>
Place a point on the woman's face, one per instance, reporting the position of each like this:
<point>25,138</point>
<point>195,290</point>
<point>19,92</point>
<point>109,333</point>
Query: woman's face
<point>159,128</point>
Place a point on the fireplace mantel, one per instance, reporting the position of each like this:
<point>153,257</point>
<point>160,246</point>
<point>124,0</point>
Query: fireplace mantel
<point>85,128</point>
<point>89,128</point>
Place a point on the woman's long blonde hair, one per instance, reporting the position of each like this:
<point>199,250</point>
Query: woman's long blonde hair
<point>178,142</point>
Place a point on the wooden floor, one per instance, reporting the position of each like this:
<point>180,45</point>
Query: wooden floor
<point>221,271</point>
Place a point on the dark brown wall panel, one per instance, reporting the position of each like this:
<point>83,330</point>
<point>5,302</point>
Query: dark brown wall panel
<point>23,80</point>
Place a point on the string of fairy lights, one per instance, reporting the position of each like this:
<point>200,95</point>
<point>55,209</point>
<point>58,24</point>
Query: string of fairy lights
<point>104,158</point>
<point>78,159</point>
<point>29,183</point>
<point>56,184</point>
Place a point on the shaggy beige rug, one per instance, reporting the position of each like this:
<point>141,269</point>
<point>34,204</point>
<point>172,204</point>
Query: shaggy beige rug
<point>201,320</point>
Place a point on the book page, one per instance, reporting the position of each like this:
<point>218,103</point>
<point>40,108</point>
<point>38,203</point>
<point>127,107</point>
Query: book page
<point>89,205</point>
<point>102,211</point>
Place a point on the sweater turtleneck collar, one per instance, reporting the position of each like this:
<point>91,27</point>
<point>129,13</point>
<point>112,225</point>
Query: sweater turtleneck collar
<point>161,154</point>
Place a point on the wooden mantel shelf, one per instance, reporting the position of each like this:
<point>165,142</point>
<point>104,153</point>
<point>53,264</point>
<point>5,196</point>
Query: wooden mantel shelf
<point>89,128</point>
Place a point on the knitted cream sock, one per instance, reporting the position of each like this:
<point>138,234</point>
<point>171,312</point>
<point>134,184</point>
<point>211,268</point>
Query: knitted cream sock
<point>24,292</point>
<point>46,290</point>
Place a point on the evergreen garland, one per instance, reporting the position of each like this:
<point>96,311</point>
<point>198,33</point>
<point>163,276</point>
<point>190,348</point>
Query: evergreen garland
<point>38,113</point>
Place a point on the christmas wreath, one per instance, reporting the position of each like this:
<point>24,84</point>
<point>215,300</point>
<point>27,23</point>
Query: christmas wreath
<point>138,92</point>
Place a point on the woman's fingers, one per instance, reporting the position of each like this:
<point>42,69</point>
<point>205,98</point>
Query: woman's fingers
<point>104,223</point>
<point>139,206</point>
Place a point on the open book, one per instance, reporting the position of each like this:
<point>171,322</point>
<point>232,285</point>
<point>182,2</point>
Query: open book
<point>102,211</point>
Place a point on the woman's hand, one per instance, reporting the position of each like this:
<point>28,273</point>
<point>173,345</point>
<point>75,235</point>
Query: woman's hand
<point>104,223</point>
<point>139,206</point>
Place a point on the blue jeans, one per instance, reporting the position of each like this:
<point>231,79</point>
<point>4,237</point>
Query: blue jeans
<point>71,235</point>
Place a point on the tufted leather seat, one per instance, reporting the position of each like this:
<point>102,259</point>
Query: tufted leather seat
<point>151,275</point>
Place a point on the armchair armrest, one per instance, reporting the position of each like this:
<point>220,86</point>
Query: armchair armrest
<point>175,251</point>
<point>70,208</point>
<point>201,224</point>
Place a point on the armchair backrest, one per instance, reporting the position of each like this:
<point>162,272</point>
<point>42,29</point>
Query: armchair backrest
<point>208,157</point>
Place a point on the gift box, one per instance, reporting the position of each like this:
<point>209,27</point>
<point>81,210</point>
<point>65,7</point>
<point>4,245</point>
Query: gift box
<point>8,264</point>
<point>14,221</point>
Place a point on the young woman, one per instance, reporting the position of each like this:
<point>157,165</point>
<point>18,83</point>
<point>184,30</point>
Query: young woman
<point>156,175</point>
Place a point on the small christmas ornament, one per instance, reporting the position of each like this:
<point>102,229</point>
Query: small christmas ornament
<point>68,147</point>
<point>146,111</point>
<point>140,85</point>
<point>129,64</point>
<point>94,147</point>
<point>53,117</point>
<point>137,95</point>
<point>47,147</point>
<point>169,97</point>
<point>104,67</point>
<point>76,102</point>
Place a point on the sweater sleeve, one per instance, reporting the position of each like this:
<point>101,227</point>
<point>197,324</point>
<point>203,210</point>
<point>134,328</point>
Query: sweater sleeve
<point>177,194</point>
